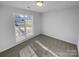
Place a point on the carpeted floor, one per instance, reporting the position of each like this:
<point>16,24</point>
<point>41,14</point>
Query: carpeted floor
<point>55,46</point>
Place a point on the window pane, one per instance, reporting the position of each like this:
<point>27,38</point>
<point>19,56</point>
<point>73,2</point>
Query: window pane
<point>23,26</point>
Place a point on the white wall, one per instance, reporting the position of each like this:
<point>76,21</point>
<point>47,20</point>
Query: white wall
<point>61,24</point>
<point>7,30</point>
<point>78,39</point>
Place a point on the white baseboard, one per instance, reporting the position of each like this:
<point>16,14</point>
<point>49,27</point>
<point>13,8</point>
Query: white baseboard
<point>1,50</point>
<point>59,38</point>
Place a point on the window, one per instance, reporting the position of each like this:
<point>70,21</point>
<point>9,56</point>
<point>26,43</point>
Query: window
<point>23,26</point>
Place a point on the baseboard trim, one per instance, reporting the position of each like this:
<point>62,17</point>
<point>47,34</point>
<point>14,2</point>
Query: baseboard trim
<point>19,43</point>
<point>57,38</point>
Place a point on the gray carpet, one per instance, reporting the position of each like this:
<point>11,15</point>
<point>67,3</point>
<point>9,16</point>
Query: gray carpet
<point>60,48</point>
<point>40,51</point>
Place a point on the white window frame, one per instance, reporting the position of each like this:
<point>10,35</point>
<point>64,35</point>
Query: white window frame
<point>27,36</point>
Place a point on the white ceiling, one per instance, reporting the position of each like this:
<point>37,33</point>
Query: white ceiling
<point>48,5</point>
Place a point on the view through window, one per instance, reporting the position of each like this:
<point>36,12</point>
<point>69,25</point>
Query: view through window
<point>23,26</point>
